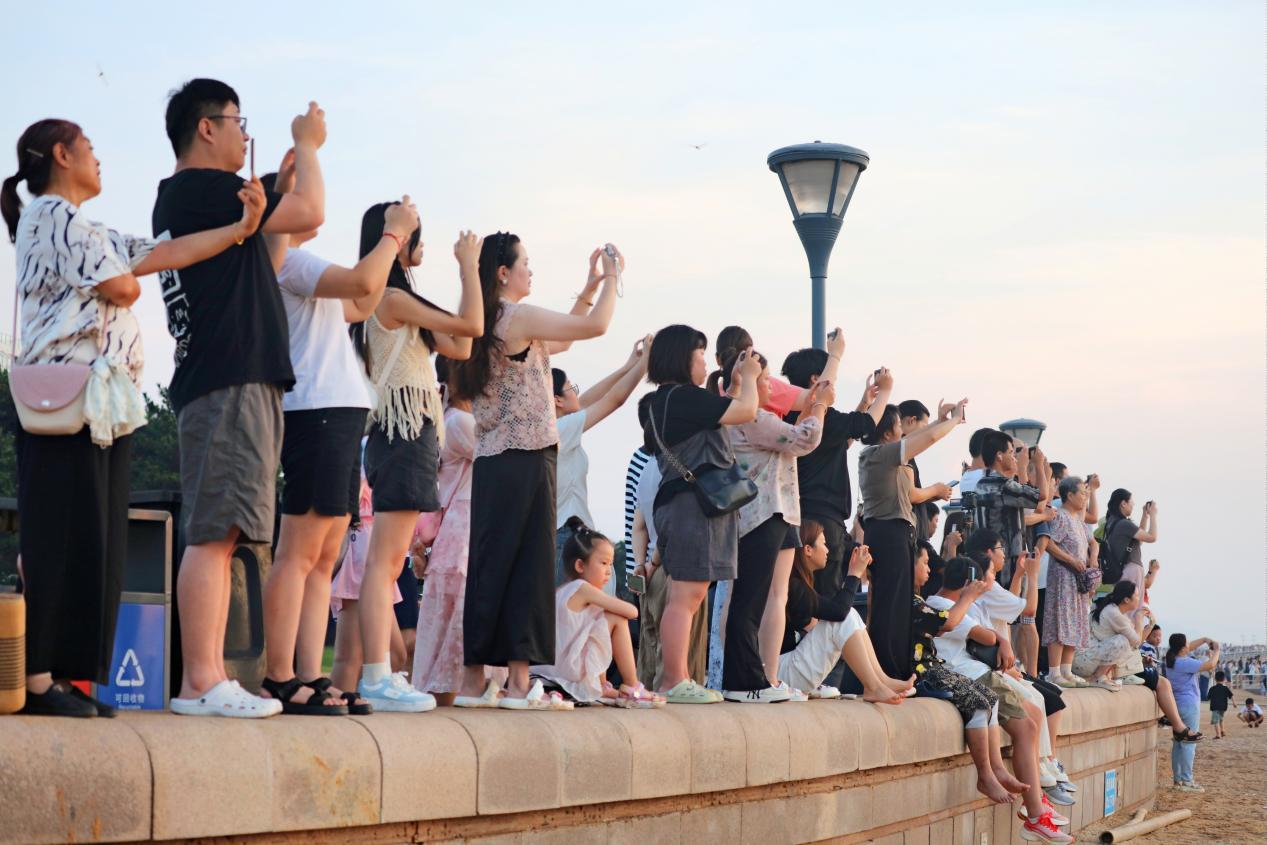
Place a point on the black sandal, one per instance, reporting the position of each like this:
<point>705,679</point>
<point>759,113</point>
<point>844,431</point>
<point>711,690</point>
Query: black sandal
<point>1188,735</point>
<point>354,708</point>
<point>316,705</point>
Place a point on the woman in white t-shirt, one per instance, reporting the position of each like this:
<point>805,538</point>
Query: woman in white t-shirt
<point>321,449</point>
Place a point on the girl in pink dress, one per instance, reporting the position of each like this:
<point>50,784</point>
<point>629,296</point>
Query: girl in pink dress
<point>592,628</point>
<point>438,651</point>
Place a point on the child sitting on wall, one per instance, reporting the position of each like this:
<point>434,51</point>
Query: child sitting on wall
<point>592,628</point>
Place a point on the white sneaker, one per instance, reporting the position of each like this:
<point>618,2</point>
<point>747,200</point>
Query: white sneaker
<point>1131,679</point>
<point>1189,786</point>
<point>793,694</point>
<point>394,694</point>
<point>825,691</point>
<point>769,695</point>
<point>1106,684</point>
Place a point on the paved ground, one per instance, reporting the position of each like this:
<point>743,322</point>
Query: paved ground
<point>1233,808</point>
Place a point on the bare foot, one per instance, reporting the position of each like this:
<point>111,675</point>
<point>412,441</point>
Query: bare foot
<point>899,686</point>
<point>882,695</point>
<point>1010,783</point>
<point>988,786</point>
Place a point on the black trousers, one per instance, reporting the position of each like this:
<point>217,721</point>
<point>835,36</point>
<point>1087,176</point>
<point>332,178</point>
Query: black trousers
<point>892,543</point>
<point>1053,701</point>
<point>509,607</point>
<point>742,668</point>
<point>73,537</point>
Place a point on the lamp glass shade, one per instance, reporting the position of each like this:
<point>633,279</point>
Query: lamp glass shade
<point>1027,434</point>
<point>848,175</point>
<point>809,182</point>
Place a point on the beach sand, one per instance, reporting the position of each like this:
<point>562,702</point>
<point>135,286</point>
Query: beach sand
<point>1233,771</point>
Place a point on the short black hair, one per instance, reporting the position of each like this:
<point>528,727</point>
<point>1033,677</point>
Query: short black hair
<point>804,363</point>
<point>196,99</point>
<point>975,441</point>
<point>1058,470</point>
<point>912,408</point>
<point>958,572</point>
<point>980,541</point>
<point>1220,675</point>
<point>994,443</point>
<point>671,351</point>
<point>560,380</point>
<point>888,421</point>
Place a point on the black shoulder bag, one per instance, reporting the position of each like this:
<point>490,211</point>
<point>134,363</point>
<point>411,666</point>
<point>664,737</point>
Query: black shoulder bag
<point>718,490</point>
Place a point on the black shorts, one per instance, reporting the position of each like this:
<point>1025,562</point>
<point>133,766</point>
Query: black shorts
<point>402,473</point>
<point>1053,702</point>
<point>406,609</point>
<point>321,450</point>
<point>1150,678</point>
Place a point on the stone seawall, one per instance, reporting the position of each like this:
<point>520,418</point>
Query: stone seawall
<point>840,771</point>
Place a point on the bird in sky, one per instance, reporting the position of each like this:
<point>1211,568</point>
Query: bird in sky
<point>101,74</point>
<point>698,146</point>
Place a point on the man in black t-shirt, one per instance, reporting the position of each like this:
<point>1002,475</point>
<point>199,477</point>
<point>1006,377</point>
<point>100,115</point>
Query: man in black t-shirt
<point>826,496</point>
<point>232,365</point>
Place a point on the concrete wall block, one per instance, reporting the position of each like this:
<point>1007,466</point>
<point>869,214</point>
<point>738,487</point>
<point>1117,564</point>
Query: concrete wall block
<point>1097,797</point>
<point>916,836</point>
<point>855,808</point>
<point>765,823</point>
<point>837,738</point>
<point>585,834</point>
<point>712,824</point>
<point>873,732</point>
<point>922,729</point>
<point>942,833</point>
<point>814,818</point>
<point>645,830</point>
<point>325,775</point>
<point>965,828</point>
<point>766,743</point>
<point>596,757</point>
<point>412,756</point>
<point>719,757</point>
<point>520,764</point>
<point>983,828</point>
<point>891,839</point>
<point>893,801</point>
<point>660,752</point>
<point>188,757</point>
<point>72,780</point>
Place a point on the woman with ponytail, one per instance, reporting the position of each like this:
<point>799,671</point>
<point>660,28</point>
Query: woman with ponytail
<point>76,280</point>
<point>509,604</point>
<point>406,434</point>
<point>1182,669</point>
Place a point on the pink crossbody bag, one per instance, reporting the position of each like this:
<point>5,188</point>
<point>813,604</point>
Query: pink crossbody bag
<point>50,397</point>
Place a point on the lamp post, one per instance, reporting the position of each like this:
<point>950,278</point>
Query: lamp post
<point>1025,430</point>
<point>818,180</point>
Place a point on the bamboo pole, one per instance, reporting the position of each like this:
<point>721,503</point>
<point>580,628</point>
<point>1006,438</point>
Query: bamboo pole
<point>12,653</point>
<point>1129,831</point>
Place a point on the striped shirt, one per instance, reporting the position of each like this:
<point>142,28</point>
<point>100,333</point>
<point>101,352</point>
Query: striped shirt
<point>637,462</point>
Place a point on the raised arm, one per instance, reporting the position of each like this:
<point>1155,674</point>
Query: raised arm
<point>303,208</point>
<point>617,395</point>
<point>883,381</point>
<point>1147,532</point>
<point>558,330</point>
<point>603,385</point>
<point>181,252</point>
<point>399,308</point>
<point>769,432</point>
<point>743,407</point>
<point>1092,514</point>
<point>971,592</point>
<point>927,436</point>
<point>361,287</point>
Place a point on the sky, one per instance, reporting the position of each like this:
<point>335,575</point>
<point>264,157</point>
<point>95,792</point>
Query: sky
<point>1063,217</point>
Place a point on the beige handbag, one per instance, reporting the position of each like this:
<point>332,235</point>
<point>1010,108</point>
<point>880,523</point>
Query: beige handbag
<point>50,397</point>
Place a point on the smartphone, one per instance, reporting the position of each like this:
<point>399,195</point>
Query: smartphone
<point>637,584</point>
<point>251,144</point>
<point>831,335</point>
<point>953,483</point>
<point>973,573</point>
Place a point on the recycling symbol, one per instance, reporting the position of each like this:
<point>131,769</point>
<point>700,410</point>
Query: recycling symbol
<point>130,662</point>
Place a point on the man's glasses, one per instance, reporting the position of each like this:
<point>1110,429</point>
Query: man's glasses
<point>576,388</point>
<point>239,118</point>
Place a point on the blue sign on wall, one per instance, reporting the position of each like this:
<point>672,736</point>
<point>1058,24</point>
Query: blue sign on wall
<point>137,670</point>
<point>1110,792</point>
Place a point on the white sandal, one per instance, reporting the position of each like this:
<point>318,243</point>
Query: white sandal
<point>536,699</point>
<point>486,701</point>
<point>227,699</point>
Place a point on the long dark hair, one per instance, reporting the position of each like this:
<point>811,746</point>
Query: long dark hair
<point>373,222</point>
<point>730,342</point>
<point>1122,591</point>
<point>1177,642</point>
<point>809,533</point>
<point>580,545</point>
<point>728,366</point>
<point>1114,509</point>
<point>500,249</point>
<point>35,165</point>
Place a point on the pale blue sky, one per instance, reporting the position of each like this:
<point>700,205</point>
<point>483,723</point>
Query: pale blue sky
<point>1076,189</point>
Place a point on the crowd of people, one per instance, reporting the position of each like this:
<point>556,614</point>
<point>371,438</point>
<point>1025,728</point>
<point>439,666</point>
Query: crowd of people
<point>404,430</point>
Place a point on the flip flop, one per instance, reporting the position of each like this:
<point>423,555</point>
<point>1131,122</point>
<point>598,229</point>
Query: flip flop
<point>229,700</point>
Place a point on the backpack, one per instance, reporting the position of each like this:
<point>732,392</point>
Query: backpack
<point>1112,564</point>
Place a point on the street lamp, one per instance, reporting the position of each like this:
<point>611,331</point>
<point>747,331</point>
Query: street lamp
<point>818,180</point>
<point>1025,430</point>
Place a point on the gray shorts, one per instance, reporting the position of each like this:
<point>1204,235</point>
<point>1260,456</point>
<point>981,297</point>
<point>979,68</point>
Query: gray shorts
<point>230,447</point>
<point>695,547</point>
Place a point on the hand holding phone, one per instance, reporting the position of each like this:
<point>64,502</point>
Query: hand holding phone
<point>637,584</point>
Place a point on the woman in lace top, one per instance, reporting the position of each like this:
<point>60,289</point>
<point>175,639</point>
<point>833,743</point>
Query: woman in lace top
<point>402,450</point>
<point>766,449</point>
<point>509,604</point>
<point>76,280</point>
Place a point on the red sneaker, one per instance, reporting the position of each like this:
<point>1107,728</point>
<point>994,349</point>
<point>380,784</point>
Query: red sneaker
<point>1043,830</point>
